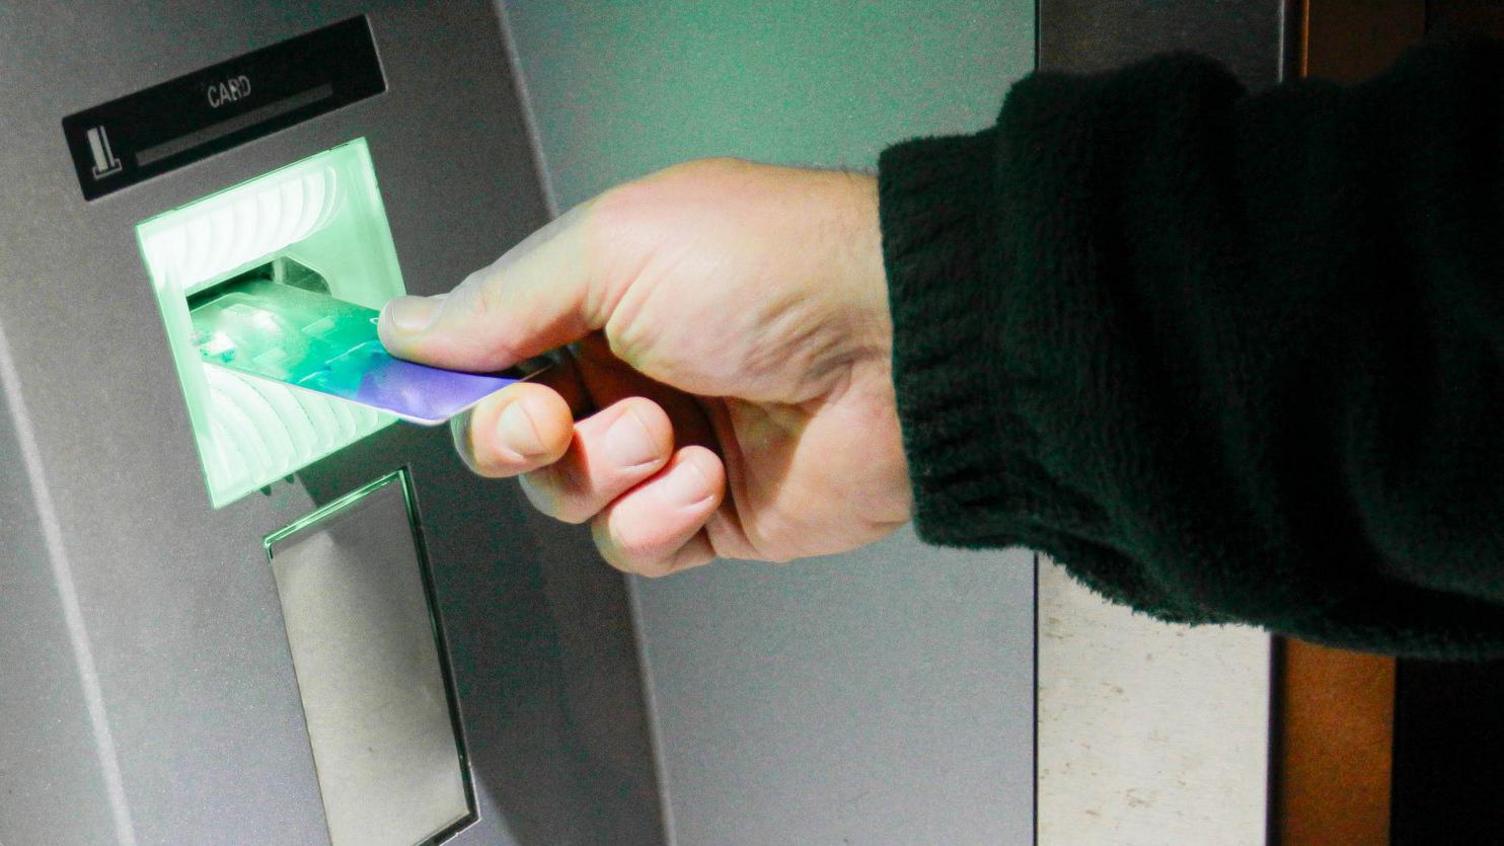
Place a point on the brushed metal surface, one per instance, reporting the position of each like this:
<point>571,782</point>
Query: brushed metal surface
<point>370,675</point>
<point>175,601</point>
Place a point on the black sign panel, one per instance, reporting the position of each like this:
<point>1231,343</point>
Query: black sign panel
<point>166,126</point>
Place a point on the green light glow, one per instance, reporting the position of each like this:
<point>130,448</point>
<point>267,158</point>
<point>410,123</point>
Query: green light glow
<point>317,223</point>
<point>328,510</point>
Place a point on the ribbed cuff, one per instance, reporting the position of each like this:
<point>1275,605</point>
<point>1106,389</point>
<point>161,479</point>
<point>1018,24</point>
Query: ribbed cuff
<point>936,207</point>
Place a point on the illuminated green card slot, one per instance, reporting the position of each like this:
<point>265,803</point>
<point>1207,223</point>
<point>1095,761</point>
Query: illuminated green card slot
<point>318,225</point>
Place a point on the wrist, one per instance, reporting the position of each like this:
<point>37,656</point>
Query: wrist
<point>861,260</point>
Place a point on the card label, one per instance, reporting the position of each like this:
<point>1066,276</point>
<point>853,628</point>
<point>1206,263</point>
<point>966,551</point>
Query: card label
<point>183,120</point>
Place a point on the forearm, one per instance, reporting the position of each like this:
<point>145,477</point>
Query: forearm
<point>1226,357</point>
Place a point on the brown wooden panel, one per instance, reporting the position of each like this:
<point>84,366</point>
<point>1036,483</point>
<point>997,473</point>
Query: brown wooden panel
<point>1334,718</point>
<point>1333,711</point>
<point>1352,40</point>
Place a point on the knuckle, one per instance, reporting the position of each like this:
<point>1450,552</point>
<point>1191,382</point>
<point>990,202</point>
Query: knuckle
<point>610,218</point>
<point>574,502</point>
<point>471,298</point>
<point>710,165</point>
<point>757,536</point>
<point>484,459</point>
<point>605,228</point>
<point>570,508</point>
<point>655,569</point>
<point>493,468</point>
<point>691,559</point>
<point>478,454</point>
<point>544,494</point>
<point>572,514</point>
<point>632,341</point>
<point>771,537</point>
<point>632,552</point>
<point>485,294</point>
<point>481,466</point>
<point>479,301</point>
<point>609,209</point>
<point>635,549</point>
<point>610,551</point>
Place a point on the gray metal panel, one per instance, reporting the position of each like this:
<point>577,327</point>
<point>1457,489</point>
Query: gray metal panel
<point>879,697</point>
<point>44,713</point>
<point>1094,35</point>
<point>176,599</point>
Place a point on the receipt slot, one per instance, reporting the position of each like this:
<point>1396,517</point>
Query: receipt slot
<point>234,611</point>
<point>368,651</point>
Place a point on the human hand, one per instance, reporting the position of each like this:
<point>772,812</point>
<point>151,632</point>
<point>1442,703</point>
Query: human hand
<point>731,345</point>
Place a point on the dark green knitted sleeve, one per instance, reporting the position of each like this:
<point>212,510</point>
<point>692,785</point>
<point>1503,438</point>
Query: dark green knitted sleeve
<point>1227,358</point>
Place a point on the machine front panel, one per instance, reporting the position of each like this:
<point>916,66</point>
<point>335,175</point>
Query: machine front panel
<point>156,682</point>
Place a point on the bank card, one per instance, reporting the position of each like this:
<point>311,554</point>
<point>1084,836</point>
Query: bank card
<point>312,341</point>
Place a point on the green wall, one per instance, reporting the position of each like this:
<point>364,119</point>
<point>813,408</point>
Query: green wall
<point>624,88</point>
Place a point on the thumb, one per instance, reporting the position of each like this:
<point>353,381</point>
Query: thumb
<point>536,297</point>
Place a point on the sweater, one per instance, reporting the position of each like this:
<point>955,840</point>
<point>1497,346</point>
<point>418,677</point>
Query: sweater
<point>1227,358</point>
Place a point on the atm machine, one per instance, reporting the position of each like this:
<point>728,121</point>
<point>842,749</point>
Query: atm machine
<point>232,613</point>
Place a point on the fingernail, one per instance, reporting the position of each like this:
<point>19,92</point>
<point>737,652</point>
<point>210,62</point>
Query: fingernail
<point>517,431</point>
<point>685,484</point>
<point>628,442</point>
<point>412,314</point>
